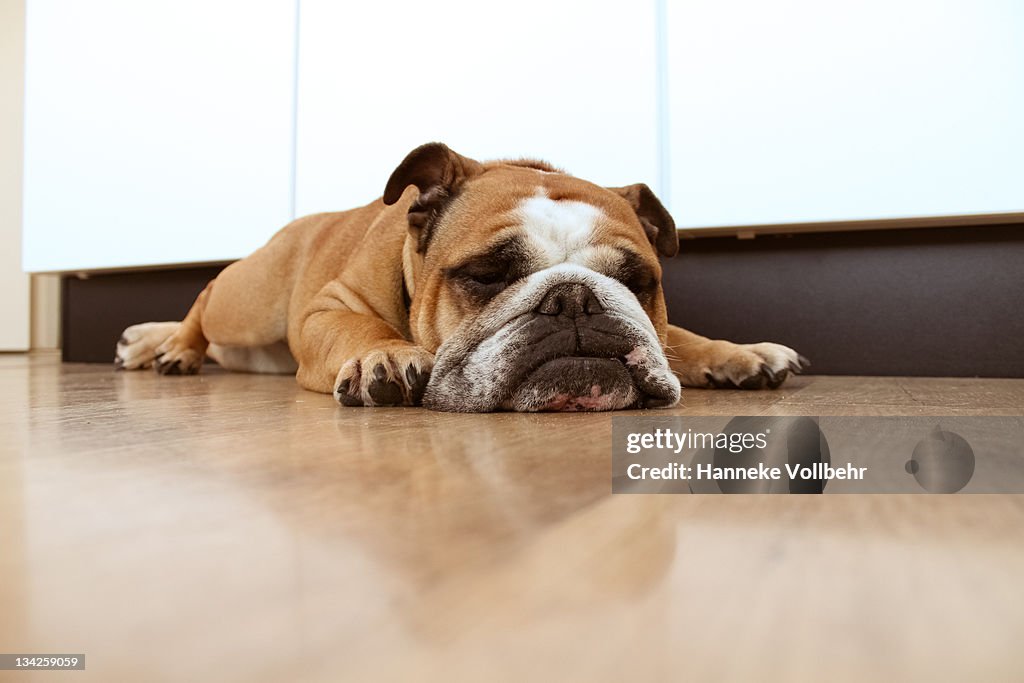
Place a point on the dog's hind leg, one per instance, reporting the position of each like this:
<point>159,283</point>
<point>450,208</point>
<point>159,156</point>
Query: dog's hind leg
<point>182,353</point>
<point>137,346</point>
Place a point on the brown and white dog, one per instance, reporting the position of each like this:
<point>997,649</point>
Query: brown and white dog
<point>506,285</point>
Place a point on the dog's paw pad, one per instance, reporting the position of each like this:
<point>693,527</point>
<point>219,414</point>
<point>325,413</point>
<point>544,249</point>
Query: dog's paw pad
<point>383,390</point>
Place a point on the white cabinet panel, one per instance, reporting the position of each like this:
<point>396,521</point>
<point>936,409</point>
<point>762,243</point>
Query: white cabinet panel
<point>156,132</point>
<point>571,82</point>
<point>806,111</point>
<point>14,284</point>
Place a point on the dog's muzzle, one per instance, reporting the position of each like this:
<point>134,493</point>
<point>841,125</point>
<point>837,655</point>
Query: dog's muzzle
<point>574,357</point>
<point>572,350</point>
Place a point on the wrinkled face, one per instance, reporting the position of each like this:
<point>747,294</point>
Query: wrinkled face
<point>541,291</point>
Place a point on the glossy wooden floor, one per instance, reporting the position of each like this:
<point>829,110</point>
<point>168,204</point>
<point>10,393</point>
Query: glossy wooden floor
<point>236,528</point>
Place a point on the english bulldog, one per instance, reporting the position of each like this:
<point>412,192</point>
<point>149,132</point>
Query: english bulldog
<point>471,287</point>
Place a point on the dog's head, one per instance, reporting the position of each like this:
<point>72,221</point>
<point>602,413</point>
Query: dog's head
<point>535,289</point>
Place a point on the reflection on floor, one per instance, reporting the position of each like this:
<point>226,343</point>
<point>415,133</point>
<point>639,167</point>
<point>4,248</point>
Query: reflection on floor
<point>234,527</point>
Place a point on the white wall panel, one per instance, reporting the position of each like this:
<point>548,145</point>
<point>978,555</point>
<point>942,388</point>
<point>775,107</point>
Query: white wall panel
<point>14,284</point>
<point>156,132</point>
<point>162,133</point>
<point>572,82</point>
<point>805,111</point>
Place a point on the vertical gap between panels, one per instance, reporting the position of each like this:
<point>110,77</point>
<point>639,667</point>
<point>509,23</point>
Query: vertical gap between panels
<point>661,56</point>
<point>293,180</point>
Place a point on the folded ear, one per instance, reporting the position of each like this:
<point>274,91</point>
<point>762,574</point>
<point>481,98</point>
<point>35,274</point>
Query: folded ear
<point>658,224</point>
<point>437,172</point>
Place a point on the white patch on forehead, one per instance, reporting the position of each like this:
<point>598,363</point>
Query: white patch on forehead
<point>558,228</point>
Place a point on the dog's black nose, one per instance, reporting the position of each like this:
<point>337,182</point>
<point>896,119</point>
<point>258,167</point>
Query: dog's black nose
<point>570,299</point>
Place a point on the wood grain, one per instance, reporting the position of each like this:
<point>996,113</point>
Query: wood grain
<point>236,528</point>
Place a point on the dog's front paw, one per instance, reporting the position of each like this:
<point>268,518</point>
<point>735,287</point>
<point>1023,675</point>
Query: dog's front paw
<point>392,376</point>
<point>750,366</point>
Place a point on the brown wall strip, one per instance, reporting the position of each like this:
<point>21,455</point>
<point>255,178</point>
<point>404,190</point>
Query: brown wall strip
<point>96,310</point>
<point>921,302</point>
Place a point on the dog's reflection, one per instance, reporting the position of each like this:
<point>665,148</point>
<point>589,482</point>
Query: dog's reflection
<point>455,512</point>
<point>490,525</point>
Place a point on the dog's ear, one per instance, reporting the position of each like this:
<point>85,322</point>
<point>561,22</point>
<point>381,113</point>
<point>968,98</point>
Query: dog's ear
<point>437,172</point>
<point>658,224</point>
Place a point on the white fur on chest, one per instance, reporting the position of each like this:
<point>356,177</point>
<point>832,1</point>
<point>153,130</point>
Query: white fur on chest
<point>560,229</point>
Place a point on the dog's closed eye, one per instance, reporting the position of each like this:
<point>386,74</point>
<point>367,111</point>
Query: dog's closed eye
<point>483,281</point>
<point>636,275</point>
<point>485,276</point>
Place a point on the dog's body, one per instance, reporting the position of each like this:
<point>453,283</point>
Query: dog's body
<point>470,287</point>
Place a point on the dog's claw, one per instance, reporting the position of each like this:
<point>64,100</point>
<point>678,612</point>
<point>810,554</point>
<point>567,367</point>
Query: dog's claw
<point>169,368</point>
<point>344,395</point>
<point>717,384</point>
<point>797,366</point>
<point>775,379</point>
<point>757,381</point>
<point>417,382</point>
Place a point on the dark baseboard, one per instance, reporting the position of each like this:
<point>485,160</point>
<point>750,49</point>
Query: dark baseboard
<point>95,310</point>
<point>916,302</point>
